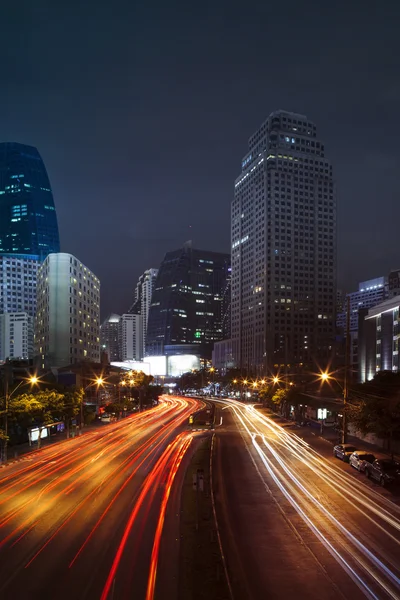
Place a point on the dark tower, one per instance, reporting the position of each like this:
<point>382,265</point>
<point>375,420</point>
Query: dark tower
<point>28,220</point>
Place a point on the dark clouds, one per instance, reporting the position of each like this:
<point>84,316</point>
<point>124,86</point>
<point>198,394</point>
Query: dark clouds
<point>142,112</point>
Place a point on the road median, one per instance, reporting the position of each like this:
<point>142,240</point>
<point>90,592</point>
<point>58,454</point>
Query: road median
<point>202,574</point>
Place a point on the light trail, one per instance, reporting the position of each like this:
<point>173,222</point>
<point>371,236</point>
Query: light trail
<point>327,499</point>
<point>157,538</point>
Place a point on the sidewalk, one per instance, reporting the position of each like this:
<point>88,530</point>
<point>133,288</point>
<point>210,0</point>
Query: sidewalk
<point>23,451</point>
<point>333,436</point>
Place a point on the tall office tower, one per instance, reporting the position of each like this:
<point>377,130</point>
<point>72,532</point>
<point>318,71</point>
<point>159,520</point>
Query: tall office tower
<point>130,337</point>
<point>16,336</point>
<point>67,326</point>
<point>143,294</point>
<point>186,309</point>
<point>28,220</point>
<point>283,230</point>
<point>109,337</point>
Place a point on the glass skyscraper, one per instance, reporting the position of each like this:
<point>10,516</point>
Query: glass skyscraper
<point>187,303</point>
<point>28,220</point>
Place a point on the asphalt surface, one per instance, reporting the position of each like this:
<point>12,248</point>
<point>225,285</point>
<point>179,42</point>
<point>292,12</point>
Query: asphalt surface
<point>296,522</point>
<point>95,517</point>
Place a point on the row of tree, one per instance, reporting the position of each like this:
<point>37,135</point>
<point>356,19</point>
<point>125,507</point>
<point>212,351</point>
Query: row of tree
<point>53,403</point>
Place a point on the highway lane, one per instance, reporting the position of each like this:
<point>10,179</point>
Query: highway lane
<point>295,522</point>
<point>85,517</point>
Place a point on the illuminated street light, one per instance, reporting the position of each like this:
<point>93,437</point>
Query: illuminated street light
<point>263,381</point>
<point>245,381</point>
<point>33,380</point>
<point>254,384</point>
<point>99,381</point>
<point>276,380</point>
<point>325,376</point>
<point>235,381</point>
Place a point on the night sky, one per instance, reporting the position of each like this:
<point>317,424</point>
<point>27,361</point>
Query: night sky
<point>142,112</point>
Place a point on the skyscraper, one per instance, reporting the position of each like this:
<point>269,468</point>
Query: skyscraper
<point>143,294</point>
<point>130,337</point>
<point>186,308</point>
<point>67,327</point>
<point>28,220</point>
<point>283,230</point>
<point>109,337</point>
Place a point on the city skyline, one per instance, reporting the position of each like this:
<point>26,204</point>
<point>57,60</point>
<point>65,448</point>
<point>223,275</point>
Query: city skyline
<point>172,145</point>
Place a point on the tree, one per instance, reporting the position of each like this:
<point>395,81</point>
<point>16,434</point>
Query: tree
<point>40,409</point>
<point>138,380</point>
<point>377,414</point>
<point>73,403</point>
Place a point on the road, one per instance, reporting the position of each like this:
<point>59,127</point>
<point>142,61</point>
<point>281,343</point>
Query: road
<point>294,521</point>
<point>84,518</point>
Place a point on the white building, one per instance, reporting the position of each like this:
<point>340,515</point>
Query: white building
<point>131,337</point>
<point>283,232</point>
<point>67,325</point>
<point>369,294</point>
<point>143,293</point>
<point>16,336</point>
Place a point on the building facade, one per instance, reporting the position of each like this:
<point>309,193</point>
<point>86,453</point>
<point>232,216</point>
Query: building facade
<point>283,232</point>
<point>16,336</point>
<point>369,293</point>
<point>67,323</point>
<point>142,302</point>
<point>28,220</point>
<point>379,334</point>
<point>130,337</point>
<point>18,276</point>
<point>394,283</point>
<point>109,331</point>
<point>186,310</point>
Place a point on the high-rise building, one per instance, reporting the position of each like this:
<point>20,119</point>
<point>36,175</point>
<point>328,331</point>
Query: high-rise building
<point>283,230</point>
<point>130,338</point>
<point>18,284</point>
<point>143,294</point>
<point>369,293</point>
<point>28,220</point>
<point>109,337</point>
<point>67,326</point>
<point>17,304</point>
<point>186,309</point>
<point>16,336</point>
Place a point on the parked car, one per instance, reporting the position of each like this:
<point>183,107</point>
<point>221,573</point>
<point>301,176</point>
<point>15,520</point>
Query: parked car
<point>344,451</point>
<point>385,470</point>
<point>359,459</point>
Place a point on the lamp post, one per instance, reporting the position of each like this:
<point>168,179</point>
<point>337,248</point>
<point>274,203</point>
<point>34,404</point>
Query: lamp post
<point>212,370</point>
<point>98,381</point>
<point>7,396</point>
<point>325,376</point>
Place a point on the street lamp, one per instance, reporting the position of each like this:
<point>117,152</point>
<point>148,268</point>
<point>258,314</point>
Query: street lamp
<point>98,381</point>
<point>325,376</point>
<point>275,379</point>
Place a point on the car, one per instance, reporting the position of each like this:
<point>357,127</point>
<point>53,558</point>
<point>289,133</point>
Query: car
<point>343,451</point>
<point>359,458</point>
<point>385,471</point>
